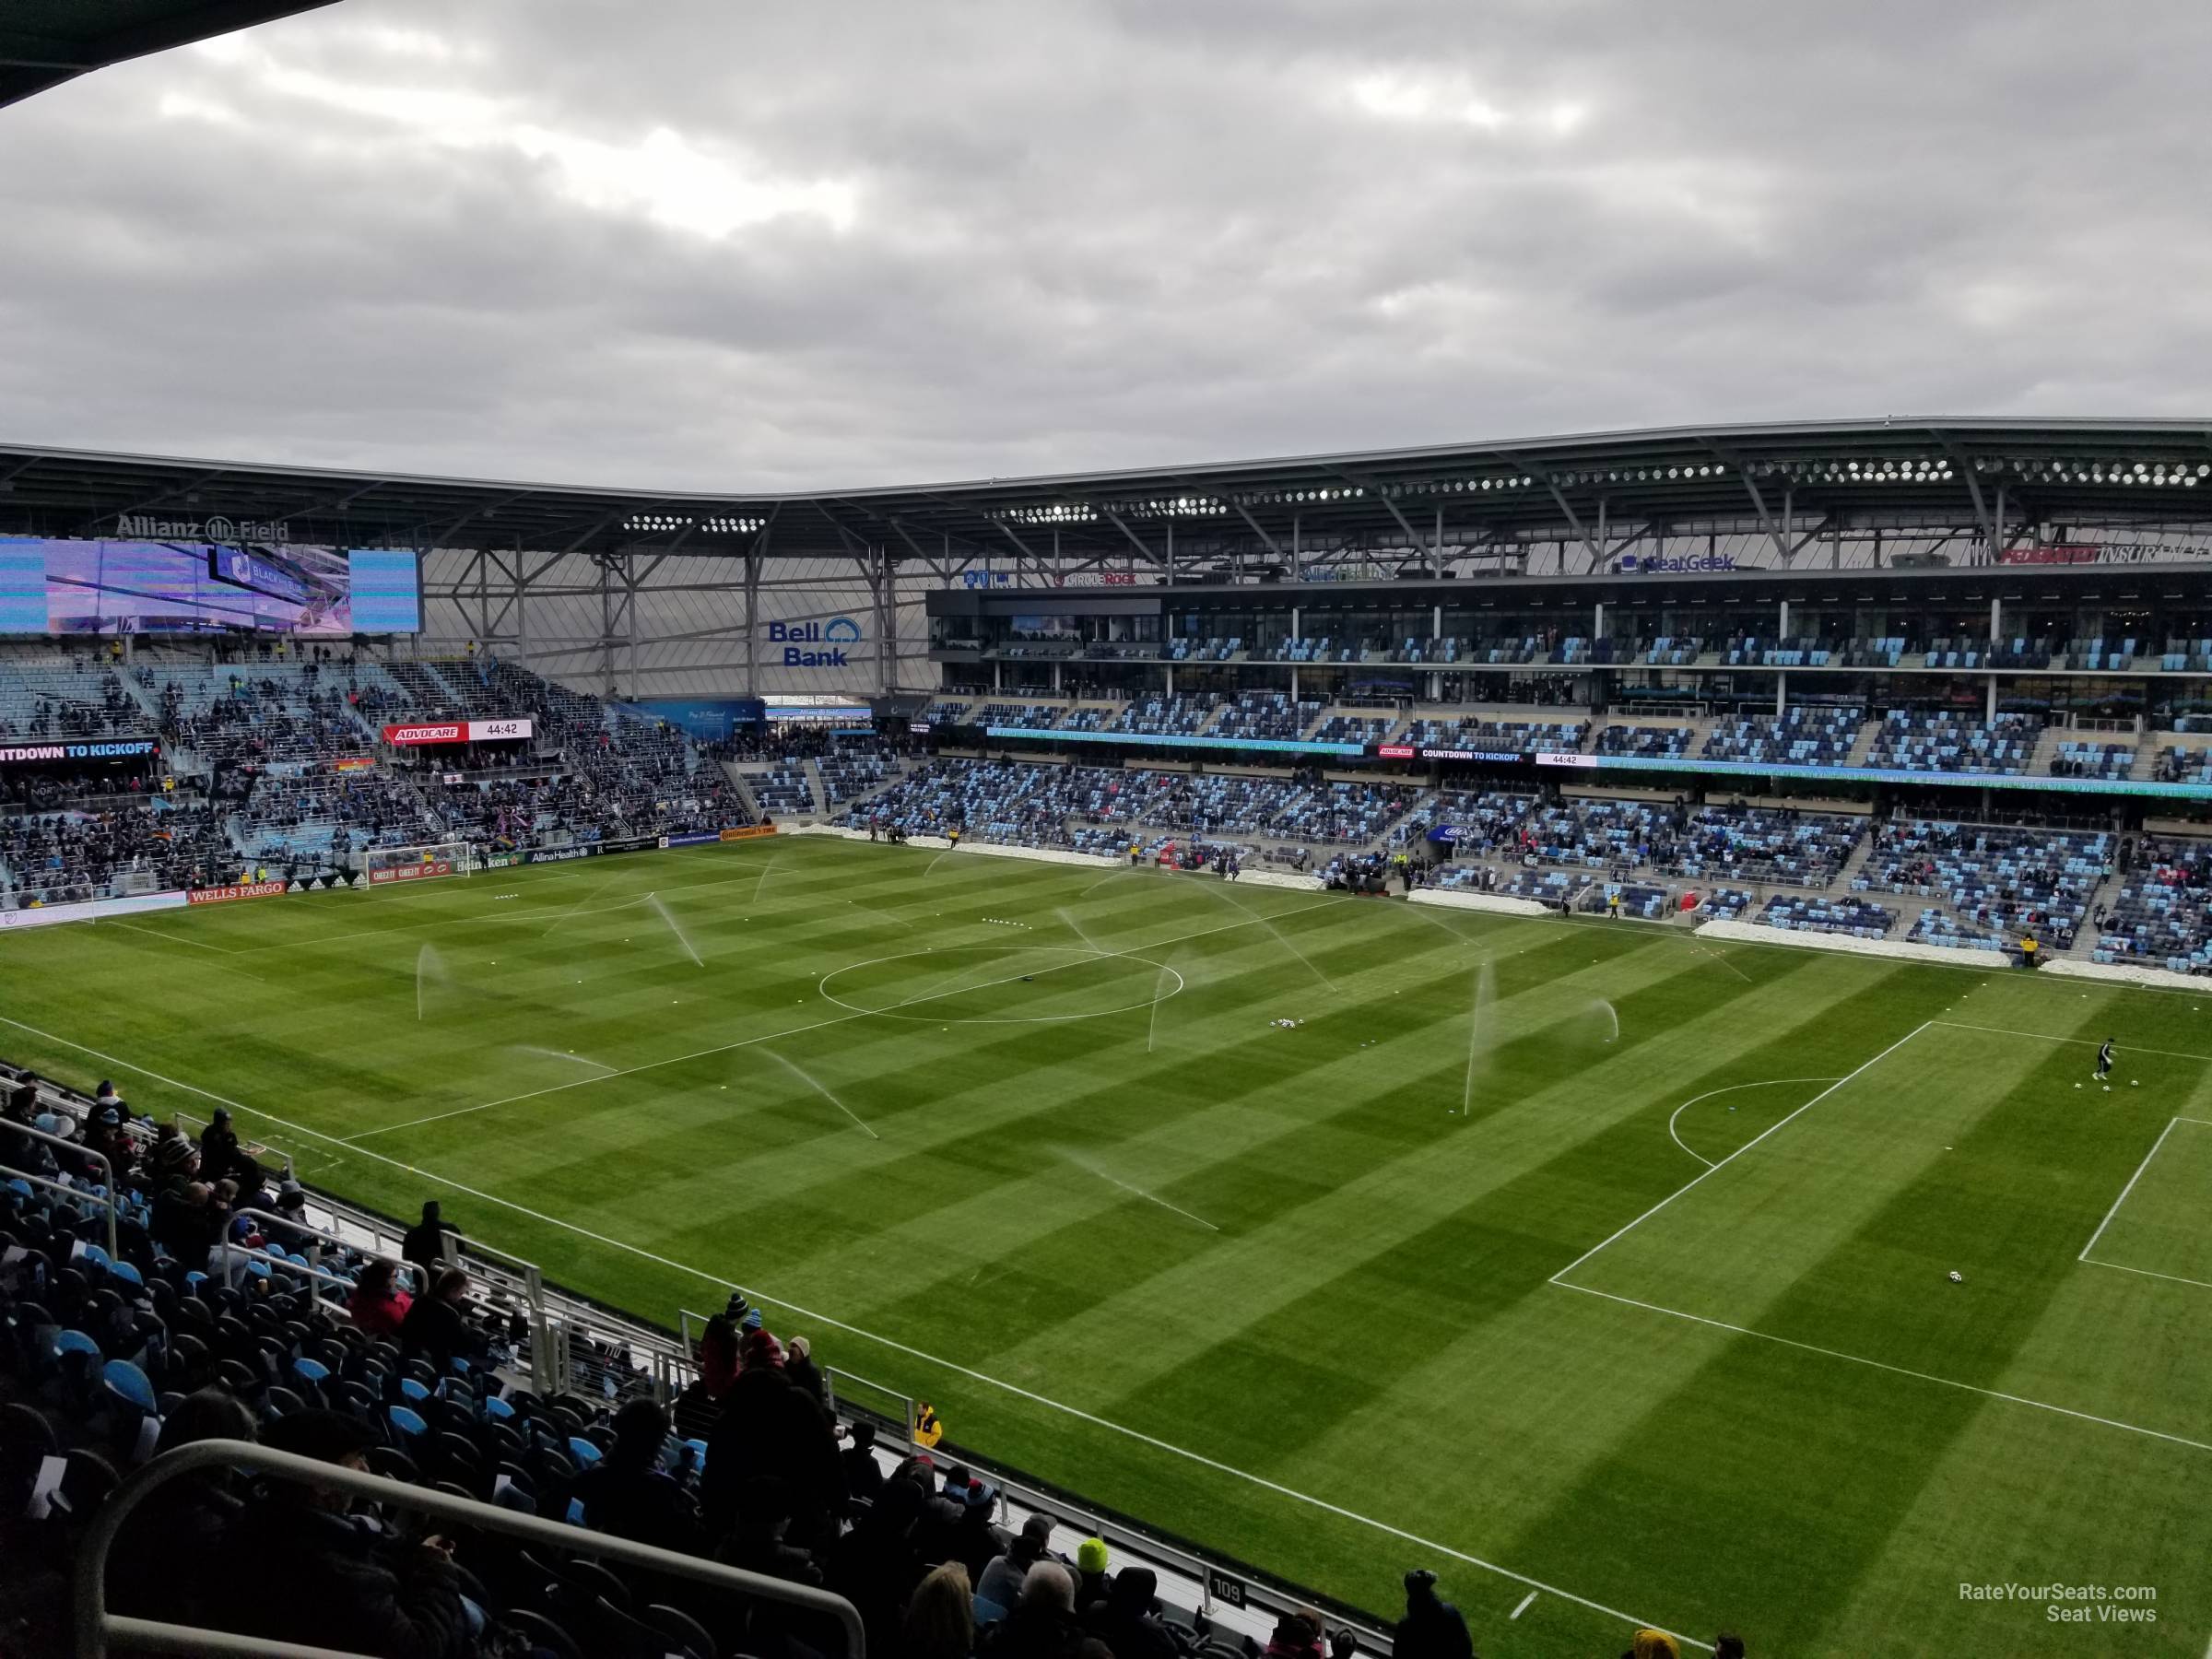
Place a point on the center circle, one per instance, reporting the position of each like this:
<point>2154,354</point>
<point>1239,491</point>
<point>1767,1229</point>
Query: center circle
<point>896,1007</point>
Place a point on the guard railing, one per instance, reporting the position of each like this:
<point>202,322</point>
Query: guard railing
<point>97,1628</point>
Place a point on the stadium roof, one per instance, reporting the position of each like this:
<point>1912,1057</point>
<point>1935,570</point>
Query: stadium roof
<point>1991,477</point>
<point>45,42</point>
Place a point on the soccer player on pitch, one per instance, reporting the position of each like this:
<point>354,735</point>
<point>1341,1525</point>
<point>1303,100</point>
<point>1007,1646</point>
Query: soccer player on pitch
<point>2104,1060</point>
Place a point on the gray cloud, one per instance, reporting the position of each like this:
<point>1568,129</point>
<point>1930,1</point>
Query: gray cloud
<point>696,245</point>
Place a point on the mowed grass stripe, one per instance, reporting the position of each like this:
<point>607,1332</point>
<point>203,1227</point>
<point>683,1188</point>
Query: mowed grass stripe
<point>1304,1142</point>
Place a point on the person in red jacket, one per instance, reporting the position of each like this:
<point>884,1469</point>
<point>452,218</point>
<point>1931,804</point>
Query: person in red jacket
<point>378,1305</point>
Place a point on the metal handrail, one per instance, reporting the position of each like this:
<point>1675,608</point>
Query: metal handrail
<point>315,1257</point>
<point>107,1204</point>
<point>97,1628</point>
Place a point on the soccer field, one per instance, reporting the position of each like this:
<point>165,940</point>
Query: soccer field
<point>1602,1269</point>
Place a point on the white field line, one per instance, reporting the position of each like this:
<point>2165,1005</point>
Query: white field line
<point>1559,1277</point>
<point>2174,1279</point>
<point>1958,1025</point>
<point>723,1279</point>
<point>1992,1393</point>
<point>1768,1083</point>
<point>1523,1607</point>
<point>798,1030</point>
<point>2127,1189</point>
<point>155,932</point>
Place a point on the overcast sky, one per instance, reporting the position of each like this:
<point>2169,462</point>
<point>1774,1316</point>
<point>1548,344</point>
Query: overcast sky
<point>722,244</point>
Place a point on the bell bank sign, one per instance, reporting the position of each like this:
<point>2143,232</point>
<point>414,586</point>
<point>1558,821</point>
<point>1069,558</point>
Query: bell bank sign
<point>815,644</point>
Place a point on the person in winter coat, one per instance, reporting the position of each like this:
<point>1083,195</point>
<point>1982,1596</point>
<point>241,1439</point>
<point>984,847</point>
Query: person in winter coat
<point>1432,1629</point>
<point>864,1475</point>
<point>628,1494</point>
<point>1125,1622</point>
<point>770,1427</point>
<point>1002,1580</point>
<point>1044,1626</point>
<point>378,1305</point>
<point>1297,1636</point>
<point>435,1326</point>
<point>321,1580</point>
<point>875,1567</point>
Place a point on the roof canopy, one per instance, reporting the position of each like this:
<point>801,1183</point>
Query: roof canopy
<point>1921,474</point>
<point>45,42</point>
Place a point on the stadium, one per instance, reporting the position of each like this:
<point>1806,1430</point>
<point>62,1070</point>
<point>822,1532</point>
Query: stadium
<point>1539,1047</point>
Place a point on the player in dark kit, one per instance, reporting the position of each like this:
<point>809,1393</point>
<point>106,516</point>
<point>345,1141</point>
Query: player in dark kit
<point>2104,1060</point>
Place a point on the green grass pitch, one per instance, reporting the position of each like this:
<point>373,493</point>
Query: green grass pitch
<point>1464,1271</point>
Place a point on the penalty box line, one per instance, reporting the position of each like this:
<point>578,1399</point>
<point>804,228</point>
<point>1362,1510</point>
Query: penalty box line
<point>1900,1370</point>
<point>2087,1260</point>
<point>1560,1278</point>
<point>984,1378</point>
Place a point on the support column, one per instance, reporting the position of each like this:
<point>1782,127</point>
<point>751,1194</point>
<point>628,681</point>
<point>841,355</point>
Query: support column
<point>1436,622</point>
<point>1171,552</point>
<point>1782,692</point>
<point>1171,672</point>
<point>1294,682</point>
<point>1997,621</point>
<point>875,616</point>
<point>1989,711</point>
<point>752,622</point>
<point>1297,561</point>
<point>1786,620</point>
<point>522,610</point>
<point>630,572</point>
<point>1436,550</point>
<point>997,675</point>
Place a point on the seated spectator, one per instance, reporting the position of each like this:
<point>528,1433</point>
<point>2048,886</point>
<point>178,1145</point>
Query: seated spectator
<point>1297,1636</point>
<point>940,1620</point>
<point>173,1160</point>
<point>1127,1620</point>
<point>975,1542</point>
<point>628,1494</point>
<point>1092,1559</point>
<point>1042,1624</point>
<point>1432,1627</point>
<point>187,1222</point>
<point>320,1580</point>
<point>378,1305</point>
<point>436,1327</point>
<point>875,1567</point>
<point>1002,1580</point>
<point>105,1094</point>
<point>290,1203</point>
<point>759,1541</point>
<point>186,1526</point>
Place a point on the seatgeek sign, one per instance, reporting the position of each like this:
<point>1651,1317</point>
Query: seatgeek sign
<point>815,644</point>
<point>457,731</point>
